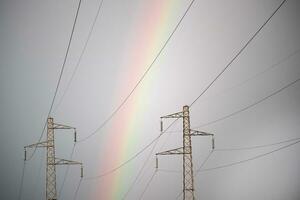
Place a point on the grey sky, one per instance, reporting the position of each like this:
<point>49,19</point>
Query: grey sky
<point>33,39</point>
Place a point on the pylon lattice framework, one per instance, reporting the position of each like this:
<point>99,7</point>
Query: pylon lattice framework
<point>186,151</point>
<point>52,161</point>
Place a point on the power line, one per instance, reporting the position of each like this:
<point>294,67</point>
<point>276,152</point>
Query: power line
<point>60,75</point>
<point>234,163</point>
<point>250,106</point>
<point>274,65</point>
<point>77,189</point>
<point>257,146</point>
<point>38,177</point>
<point>235,149</point>
<point>239,52</point>
<point>22,181</point>
<point>81,56</point>
<point>148,184</point>
<point>142,77</point>
<point>66,172</point>
<point>131,158</point>
<point>140,171</point>
<point>249,159</point>
<point>252,77</point>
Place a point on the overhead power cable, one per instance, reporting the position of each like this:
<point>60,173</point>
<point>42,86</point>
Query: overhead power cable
<point>142,77</point>
<point>232,164</point>
<point>148,185</point>
<point>66,172</point>
<point>238,53</point>
<point>236,149</point>
<point>38,177</point>
<point>250,106</point>
<point>257,146</point>
<point>77,189</point>
<point>81,56</point>
<point>259,74</point>
<point>249,159</point>
<point>60,76</point>
<point>130,159</point>
<point>140,171</point>
<point>22,181</point>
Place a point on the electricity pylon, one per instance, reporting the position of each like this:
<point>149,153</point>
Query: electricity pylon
<point>52,161</point>
<point>186,151</point>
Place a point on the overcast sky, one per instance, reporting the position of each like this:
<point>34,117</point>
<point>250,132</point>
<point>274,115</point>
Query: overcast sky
<point>126,38</point>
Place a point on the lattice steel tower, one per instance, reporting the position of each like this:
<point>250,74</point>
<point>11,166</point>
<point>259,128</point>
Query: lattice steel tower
<point>186,151</point>
<point>52,161</point>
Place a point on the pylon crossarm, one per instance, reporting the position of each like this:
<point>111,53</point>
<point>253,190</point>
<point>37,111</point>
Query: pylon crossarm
<point>59,161</point>
<point>174,115</point>
<point>61,126</point>
<point>38,145</point>
<point>172,151</point>
<point>199,133</point>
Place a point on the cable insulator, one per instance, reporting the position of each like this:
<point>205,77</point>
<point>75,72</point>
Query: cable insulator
<point>161,126</point>
<point>81,171</point>
<point>75,136</point>
<point>25,154</point>
<point>213,142</point>
<point>156,164</point>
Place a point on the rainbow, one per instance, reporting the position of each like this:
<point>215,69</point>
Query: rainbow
<point>153,30</point>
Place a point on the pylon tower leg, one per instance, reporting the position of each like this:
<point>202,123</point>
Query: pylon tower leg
<point>188,178</point>
<point>51,193</point>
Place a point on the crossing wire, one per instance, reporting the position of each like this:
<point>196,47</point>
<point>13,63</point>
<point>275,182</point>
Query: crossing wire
<point>60,76</point>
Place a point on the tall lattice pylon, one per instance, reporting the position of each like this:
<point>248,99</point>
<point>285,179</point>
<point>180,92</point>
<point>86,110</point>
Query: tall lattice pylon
<point>185,151</point>
<point>52,161</point>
